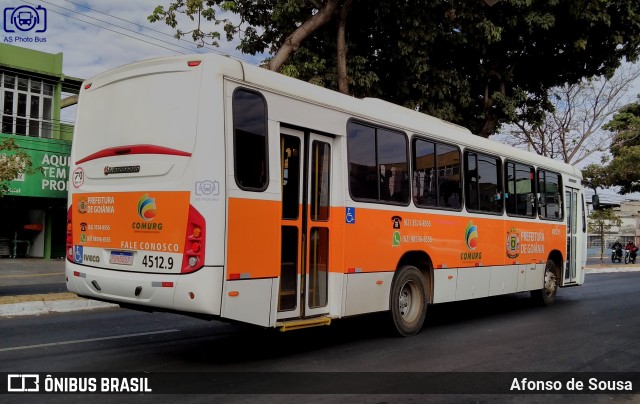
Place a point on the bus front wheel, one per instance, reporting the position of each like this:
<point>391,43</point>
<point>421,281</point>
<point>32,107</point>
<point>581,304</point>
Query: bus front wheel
<point>408,301</point>
<point>547,295</point>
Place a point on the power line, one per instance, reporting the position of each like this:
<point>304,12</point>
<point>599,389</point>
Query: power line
<point>114,31</point>
<point>133,23</point>
<point>192,50</point>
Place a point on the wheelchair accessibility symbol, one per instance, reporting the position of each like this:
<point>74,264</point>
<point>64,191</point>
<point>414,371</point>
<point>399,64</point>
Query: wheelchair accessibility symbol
<point>350,215</point>
<point>78,254</point>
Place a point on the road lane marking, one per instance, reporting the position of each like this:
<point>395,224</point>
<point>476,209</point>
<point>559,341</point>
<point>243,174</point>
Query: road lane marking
<point>81,341</point>
<point>32,275</point>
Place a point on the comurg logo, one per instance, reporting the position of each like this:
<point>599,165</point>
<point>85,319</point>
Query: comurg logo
<point>471,236</point>
<point>147,208</point>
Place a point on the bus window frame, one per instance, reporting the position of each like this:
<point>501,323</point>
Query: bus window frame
<point>500,182</point>
<point>534,191</point>
<point>376,127</point>
<point>326,219</point>
<point>425,138</point>
<point>560,193</point>
<point>266,140</point>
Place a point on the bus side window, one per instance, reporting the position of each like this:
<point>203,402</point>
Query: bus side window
<point>394,168</point>
<point>436,175</point>
<point>550,195</point>
<point>483,187</point>
<point>250,140</point>
<point>449,181</point>
<point>519,195</point>
<point>378,164</point>
<point>361,144</point>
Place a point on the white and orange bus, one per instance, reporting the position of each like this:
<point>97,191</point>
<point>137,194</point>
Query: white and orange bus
<point>207,186</point>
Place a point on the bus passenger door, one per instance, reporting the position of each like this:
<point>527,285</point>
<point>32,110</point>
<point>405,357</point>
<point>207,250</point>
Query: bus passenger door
<point>575,237</point>
<point>317,226</point>
<point>305,169</point>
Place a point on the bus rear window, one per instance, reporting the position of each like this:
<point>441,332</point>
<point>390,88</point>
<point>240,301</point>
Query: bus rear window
<point>250,140</point>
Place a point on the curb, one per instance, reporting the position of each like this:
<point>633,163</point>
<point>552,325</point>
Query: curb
<point>609,270</point>
<point>35,305</point>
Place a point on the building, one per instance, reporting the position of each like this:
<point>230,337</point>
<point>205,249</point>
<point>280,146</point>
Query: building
<point>33,91</point>
<point>629,229</point>
<point>629,213</point>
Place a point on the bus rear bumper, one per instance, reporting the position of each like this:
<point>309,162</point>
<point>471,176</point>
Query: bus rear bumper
<point>197,292</point>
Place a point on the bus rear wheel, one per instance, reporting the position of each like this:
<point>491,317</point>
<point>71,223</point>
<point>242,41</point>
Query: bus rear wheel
<point>408,301</point>
<point>547,295</point>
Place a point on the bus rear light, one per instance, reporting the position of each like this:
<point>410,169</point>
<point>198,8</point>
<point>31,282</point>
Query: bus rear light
<point>87,86</point>
<point>70,235</point>
<point>194,63</point>
<point>194,245</point>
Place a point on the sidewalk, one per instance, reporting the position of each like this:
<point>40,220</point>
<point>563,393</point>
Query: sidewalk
<point>29,273</point>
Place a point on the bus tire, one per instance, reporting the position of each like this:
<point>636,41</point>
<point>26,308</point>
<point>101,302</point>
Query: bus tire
<point>408,301</point>
<point>547,295</point>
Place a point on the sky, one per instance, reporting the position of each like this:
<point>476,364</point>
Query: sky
<point>98,35</point>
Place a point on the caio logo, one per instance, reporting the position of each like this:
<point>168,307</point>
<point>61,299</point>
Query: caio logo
<point>147,208</point>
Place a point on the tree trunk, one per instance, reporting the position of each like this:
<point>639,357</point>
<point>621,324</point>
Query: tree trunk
<point>343,77</point>
<point>293,41</point>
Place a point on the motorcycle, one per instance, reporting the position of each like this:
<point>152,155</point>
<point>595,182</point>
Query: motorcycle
<point>629,258</point>
<point>616,254</point>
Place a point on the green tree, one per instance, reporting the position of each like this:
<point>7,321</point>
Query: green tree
<point>595,176</point>
<point>622,171</point>
<point>14,162</point>
<point>600,222</point>
<point>467,62</point>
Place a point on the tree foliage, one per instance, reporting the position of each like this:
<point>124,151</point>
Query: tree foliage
<point>467,62</point>
<point>623,169</point>
<point>14,162</point>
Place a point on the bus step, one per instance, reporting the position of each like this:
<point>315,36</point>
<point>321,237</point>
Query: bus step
<point>300,324</point>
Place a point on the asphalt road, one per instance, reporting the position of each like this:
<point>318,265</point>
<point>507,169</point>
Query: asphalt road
<point>592,328</point>
<point>24,276</point>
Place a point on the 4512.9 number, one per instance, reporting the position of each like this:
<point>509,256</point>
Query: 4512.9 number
<point>155,261</point>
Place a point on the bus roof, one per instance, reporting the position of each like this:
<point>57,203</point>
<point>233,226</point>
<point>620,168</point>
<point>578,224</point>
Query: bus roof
<point>378,110</point>
<point>370,109</point>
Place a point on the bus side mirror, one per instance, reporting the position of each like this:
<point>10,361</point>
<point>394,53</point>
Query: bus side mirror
<point>595,202</point>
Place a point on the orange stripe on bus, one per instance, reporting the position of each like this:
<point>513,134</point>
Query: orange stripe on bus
<point>253,244</point>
